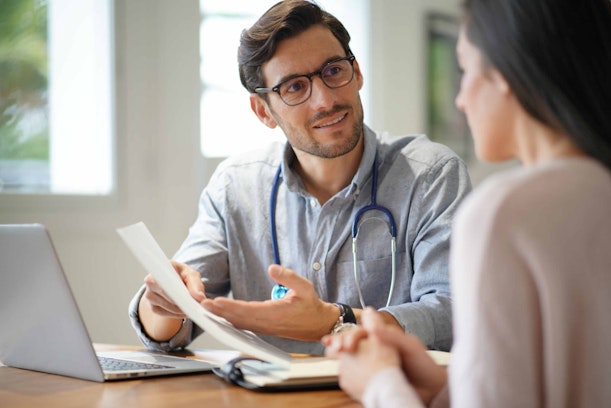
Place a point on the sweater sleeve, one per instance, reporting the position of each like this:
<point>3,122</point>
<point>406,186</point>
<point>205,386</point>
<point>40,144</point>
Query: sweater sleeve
<point>390,389</point>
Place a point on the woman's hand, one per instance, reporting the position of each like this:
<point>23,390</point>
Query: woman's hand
<point>365,351</point>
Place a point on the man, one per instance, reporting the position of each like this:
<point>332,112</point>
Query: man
<point>297,65</point>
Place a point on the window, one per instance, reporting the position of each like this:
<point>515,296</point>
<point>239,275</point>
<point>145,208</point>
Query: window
<point>56,97</point>
<point>228,125</point>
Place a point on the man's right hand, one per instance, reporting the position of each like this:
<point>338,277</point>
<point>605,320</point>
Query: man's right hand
<point>160,317</point>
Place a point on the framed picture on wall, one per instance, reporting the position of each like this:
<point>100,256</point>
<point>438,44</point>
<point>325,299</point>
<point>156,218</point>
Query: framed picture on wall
<point>445,123</point>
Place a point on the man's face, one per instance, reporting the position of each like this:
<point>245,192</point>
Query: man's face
<point>330,123</point>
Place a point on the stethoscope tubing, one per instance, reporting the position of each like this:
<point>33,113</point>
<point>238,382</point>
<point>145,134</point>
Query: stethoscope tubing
<point>278,291</point>
<point>272,215</point>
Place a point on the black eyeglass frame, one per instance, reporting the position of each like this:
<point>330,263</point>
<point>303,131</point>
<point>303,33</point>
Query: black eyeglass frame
<point>350,59</point>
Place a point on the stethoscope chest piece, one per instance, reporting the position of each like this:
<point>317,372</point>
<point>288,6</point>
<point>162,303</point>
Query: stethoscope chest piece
<point>278,291</point>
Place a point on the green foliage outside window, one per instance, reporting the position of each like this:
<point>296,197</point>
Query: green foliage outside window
<point>24,130</point>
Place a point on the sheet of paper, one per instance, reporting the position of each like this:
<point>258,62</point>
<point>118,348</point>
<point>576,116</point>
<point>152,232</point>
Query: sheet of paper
<point>151,256</point>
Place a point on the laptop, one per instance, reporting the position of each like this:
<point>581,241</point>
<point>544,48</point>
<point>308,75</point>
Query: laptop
<point>41,327</point>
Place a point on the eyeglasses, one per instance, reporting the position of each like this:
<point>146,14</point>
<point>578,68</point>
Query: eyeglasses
<point>298,89</point>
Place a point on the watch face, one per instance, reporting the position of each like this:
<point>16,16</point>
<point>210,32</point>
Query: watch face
<point>344,327</point>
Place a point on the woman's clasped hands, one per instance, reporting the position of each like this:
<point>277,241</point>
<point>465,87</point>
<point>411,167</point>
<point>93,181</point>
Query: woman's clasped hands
<point>377,349</point>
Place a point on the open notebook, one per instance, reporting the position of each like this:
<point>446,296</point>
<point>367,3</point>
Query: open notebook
<point>40,324</point>
<point>276,370</point>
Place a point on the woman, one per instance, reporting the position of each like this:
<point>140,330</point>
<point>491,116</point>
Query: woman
<point>531,248</point>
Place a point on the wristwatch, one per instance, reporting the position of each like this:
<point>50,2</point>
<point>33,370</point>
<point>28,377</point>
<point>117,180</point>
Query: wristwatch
<point>346,320</point>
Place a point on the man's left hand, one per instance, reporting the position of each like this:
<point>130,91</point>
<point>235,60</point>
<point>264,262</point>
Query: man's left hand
<point>300,315</point>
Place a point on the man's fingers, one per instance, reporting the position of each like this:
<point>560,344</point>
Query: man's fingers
<point>153,290</point>
<point>192,280</point>
<point>162,306</point>
<point>159,300</point>
<point>289,278</point>
<point>195,286</point>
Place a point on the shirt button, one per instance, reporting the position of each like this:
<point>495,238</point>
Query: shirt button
<point>313,202</point>
<point>316,266</point>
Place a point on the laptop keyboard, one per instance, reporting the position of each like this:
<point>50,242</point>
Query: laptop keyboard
<point>113,364</point>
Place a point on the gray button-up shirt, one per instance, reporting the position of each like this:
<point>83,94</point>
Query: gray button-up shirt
<point>420,182</point>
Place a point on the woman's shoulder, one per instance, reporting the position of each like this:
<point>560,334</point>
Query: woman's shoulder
<point>552,189</point>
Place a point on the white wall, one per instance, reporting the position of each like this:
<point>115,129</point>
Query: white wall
<point>398,62</point>
<point>160,170</point>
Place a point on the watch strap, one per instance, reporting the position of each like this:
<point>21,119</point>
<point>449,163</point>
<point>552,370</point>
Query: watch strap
<point>346,315</point>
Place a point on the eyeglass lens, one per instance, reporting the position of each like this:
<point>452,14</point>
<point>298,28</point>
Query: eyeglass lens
<point>334,75</point>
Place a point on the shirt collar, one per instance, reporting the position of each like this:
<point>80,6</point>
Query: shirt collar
<point>294,183</point>
<point>363,173</point>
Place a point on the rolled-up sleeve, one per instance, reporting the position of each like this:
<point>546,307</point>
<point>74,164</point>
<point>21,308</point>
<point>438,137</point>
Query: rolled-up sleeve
<point>182,339</point>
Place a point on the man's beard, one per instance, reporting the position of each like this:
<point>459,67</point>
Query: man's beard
<point>324,150</point>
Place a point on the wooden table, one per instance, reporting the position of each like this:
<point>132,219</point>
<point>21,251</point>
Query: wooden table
<point>22,388</point>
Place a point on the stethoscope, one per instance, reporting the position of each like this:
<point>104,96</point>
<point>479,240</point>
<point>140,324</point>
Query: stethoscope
<point>278,291</point>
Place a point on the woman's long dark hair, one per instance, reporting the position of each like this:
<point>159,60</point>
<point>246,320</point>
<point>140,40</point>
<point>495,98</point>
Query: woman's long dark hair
<point>556,56</point>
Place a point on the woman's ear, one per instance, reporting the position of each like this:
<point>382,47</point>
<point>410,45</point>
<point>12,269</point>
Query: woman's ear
<point>500,82</point>
<point>261,109</point>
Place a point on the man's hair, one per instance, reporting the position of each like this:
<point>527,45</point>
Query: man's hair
<point>556,57</point>
<point>284,20</point>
